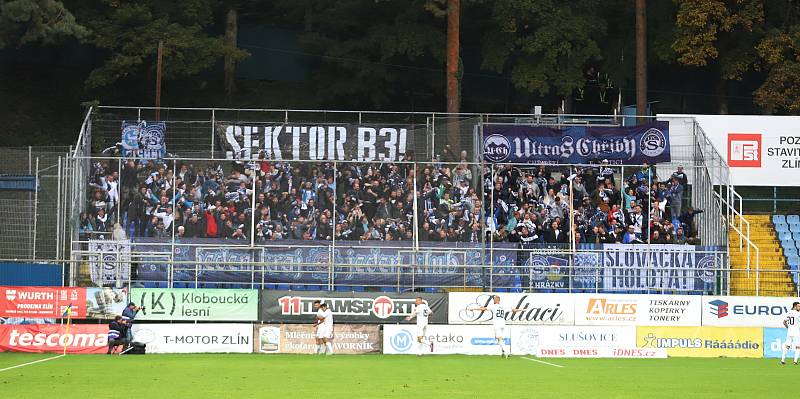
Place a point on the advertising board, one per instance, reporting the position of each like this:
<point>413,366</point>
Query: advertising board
<point>637,310</point>
<point>348,307</point>
<point>703,341</point>
<point>195,338</point>
<point>745,311</point>
<point>540,309</point>
<point>38,338</point>
<point>196,304</point>
<point>299,338</point>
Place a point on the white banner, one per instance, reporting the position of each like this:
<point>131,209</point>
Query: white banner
<point>529,339</point>
<point>109,261</point>
<point>524,340</point>
<point>195,338</point>
<point>745,311</point>
<point>760,150</point>
<point>540,309</point>
<point>633,353</point>
<point>637,310</point>
<point>447,340</point>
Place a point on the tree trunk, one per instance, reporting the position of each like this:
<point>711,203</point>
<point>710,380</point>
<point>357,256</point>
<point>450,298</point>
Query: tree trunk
<point>231,34</point>
<point>641,58</point>
<point>453,90</point>
<point>722,96</point>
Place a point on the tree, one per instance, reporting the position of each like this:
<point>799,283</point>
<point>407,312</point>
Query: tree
<point>45,21</point>
<point>384,63</point>
<point>130,32</point>
<point>719,34</point>
<point>544,45</point>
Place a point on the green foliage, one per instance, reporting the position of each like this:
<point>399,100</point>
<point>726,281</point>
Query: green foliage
<point>371,54</point>
<point>780,52</point>
<point>130,32</point>
<point>721,31</point>
<point>544,44</point>
<point>28,21</point>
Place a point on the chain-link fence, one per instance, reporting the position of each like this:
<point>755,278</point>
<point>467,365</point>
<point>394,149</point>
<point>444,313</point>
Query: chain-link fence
<point>31,218</point>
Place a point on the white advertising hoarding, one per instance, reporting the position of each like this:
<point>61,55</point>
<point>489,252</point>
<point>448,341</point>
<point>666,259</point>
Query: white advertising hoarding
<point>760,150</point>
<point>637,310</point>
<point>540,309</point>
<point>524,340</point>
<point>195,338</point>
<point>745,311</point>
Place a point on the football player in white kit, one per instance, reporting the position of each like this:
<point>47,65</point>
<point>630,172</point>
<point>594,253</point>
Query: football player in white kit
<point>324,326</point>
<point>792,324</point>
<point>499,321</point>
<point>421,311</point>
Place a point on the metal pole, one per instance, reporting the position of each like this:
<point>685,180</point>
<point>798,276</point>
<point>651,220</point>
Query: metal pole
<point>433,137</point>
<point>213,131</point>
<point>491,239</point>
<point>59,221</point>
<point>119,192</point>
<point>416,213</point>
<point>159,60</point>
<point>332,260</point>
<point>253,213</point>
<point>35,206</point>
<point>171,266</point>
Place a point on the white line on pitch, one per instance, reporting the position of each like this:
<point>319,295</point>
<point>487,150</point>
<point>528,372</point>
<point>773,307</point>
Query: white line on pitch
<point>29,363</point>
<point>542,362</point>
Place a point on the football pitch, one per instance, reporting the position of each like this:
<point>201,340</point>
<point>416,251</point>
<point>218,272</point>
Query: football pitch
<point>379,376</point>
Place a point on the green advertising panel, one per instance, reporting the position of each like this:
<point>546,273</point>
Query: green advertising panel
<point>196,304</point>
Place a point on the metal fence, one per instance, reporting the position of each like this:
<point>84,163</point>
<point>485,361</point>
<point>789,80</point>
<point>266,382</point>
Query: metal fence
<point>33,219</point>
<point>197,138</point>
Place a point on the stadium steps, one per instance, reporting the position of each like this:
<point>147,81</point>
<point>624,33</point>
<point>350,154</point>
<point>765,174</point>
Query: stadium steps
<point>775,278</point>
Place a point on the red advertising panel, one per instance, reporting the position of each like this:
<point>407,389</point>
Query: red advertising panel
<point>82,338</point>
<point>42,302</point>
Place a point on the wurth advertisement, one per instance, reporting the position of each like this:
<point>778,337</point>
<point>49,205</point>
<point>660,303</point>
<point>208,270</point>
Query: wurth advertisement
<point>52,302</point>
<point>347,307</point>
<point>42,302</point>
<point>38,338</point>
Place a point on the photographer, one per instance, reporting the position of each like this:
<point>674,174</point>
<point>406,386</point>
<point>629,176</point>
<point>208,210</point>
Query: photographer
<point>128,315</point>
<point>117,334</point>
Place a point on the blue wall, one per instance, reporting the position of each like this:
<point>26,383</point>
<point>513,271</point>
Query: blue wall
<point>30,274</point>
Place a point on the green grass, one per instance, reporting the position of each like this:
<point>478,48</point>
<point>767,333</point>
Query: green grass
<point>376,376</point>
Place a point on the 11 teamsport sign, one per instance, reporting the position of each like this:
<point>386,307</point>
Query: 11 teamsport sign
<point>576,144</point>
<point>348,307</point>
<point>196,304</point>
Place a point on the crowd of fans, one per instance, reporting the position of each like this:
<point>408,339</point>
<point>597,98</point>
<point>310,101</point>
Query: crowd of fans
<point>454,202</point>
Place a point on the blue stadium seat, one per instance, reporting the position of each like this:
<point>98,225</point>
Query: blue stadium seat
<point>793,261</point>
<point>794,228</point>
<point>782,227</point>
<point>778,219</point>
<point>787,244</point>
<point>358,288</point>
<point>796,236</point>
<point>270,286</point>
<point>431,290</point>
<point>284,287</point>
<point>149,284</point>
<point>388,289</point>
<point>313,288</point>
<point>785,236</point>
<point>787,252</point>
<point>342,288</point>
<point>793,219</point>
